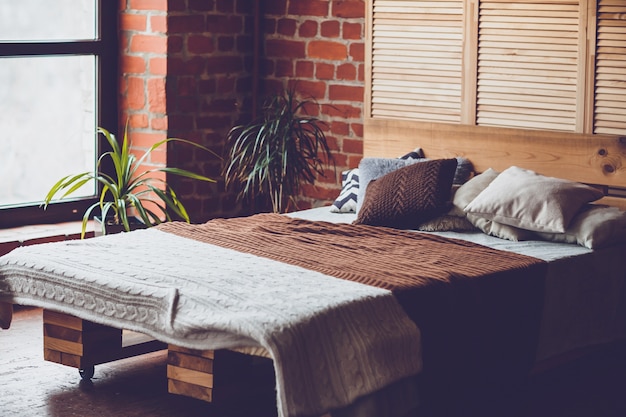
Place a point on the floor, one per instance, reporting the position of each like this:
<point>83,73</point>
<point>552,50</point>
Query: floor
<point>32,387</point>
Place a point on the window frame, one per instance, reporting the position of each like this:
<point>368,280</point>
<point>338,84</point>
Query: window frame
<point>106,50</point>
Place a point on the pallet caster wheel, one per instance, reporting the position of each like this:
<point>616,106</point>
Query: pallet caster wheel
<point>86,373</point>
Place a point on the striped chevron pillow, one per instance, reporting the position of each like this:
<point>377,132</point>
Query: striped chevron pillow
<point>346,201</point>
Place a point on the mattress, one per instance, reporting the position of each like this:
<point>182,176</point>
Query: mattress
<point>585,297</point>
<point>584,306</point>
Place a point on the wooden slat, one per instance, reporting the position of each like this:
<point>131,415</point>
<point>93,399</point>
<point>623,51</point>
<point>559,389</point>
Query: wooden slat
<point>189,390</point>
<point>130,338</point>
<point>190,376</point>
<point>75,361</point>
<point>63,333</point>
<point>52,355</point>
<point>61,345</point>
<point>62,320</point>
<point>202,353</point>
<point>411,43</point>
<point>610,79</point>
<point>184,360</point>
<point>508,39</point>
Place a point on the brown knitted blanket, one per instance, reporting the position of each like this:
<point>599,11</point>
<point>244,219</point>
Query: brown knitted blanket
<point>478,308</point>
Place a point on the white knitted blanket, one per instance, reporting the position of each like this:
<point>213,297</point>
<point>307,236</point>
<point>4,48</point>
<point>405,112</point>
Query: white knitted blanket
<point>331,340</point>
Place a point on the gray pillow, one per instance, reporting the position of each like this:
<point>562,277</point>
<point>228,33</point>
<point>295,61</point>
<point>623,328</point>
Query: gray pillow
<point>464,170</point>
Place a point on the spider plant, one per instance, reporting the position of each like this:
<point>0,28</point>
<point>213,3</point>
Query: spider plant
<point>128,187</point>
<point>272,156</point>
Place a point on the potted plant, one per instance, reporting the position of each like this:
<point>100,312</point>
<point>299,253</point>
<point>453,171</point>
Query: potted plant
<point>150,198</point>
<point>272,156</point>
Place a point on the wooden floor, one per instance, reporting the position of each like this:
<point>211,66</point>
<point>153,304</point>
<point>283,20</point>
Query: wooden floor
<point>31,387</point>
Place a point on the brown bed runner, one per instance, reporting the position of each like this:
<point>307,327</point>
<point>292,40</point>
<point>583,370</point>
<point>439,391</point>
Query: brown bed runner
<point>478,308</point>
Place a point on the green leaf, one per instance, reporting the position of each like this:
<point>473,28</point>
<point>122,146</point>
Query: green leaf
<point>128,187</point>
<point>272,156</point>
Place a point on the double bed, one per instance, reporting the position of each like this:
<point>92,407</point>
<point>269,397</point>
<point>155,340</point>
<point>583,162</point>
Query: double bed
<point>361,317</point>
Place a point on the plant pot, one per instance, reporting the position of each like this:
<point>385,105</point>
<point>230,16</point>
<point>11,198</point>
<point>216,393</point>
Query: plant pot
<point>110,227</point>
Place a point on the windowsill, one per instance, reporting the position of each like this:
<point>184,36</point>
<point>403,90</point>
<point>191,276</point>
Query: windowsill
<point>41,233</point>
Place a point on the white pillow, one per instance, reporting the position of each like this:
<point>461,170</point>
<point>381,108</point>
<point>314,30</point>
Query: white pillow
<point>594,227</point>
<point>468,192</point>
<point>524,199</point>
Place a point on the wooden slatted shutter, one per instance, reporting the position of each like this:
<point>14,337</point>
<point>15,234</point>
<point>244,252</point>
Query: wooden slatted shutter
<point>610,99</point>
<point>417,60</point>
<point>528,61</point>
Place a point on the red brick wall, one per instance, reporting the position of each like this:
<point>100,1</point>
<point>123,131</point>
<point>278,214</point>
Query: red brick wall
<point>143,61</point>
<point>187,71</point>
<point>319,44</point>
<point>209,83</point>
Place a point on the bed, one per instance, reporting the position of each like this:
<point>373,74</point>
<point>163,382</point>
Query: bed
<point>343,340</point>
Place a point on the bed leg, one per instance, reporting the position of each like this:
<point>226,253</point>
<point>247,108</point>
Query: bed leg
<point>79,343</point>
<point>87,373</point>
<point>190,372</point>
<point>6,315</point>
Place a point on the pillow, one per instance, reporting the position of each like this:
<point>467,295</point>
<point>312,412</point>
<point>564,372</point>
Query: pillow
<point>408,196</point>
<point>416,153</point>
<point>527,200</point>
<point>453,221</point>
<point>447,223</point>
<point>346,201</point>
<point>468,192</point>
<point>464,170</point>
<point>594,227</point>
<point>373,168</point>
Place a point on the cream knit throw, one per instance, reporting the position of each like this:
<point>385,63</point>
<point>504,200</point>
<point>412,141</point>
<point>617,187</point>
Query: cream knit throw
<point>331,340</point>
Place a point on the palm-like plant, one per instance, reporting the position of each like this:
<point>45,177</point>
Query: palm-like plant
<point>272,156</point>
<point>150,196</point>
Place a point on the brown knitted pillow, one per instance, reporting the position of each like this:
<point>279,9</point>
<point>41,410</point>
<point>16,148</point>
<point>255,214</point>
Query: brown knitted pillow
<point>409,196</point>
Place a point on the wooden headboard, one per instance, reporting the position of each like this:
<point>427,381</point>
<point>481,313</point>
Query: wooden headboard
<point>483,80</point>
<point>587,158</point>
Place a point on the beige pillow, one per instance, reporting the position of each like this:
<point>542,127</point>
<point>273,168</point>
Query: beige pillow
<point>594,227</point>
<point>524,199</point>
<point>447,223</point>
<point>468,192</point>
<point>454,220</point>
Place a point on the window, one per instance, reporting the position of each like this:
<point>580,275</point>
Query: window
<point>58,69</point>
